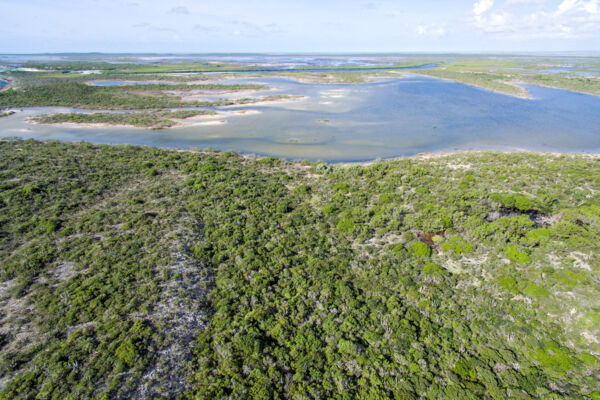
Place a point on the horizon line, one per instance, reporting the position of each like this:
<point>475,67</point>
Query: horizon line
<point>335,53</point>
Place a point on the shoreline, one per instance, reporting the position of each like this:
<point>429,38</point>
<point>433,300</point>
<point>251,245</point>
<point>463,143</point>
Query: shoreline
<point>525,96</point>
<point>434,155</point>
<point>559,88</point>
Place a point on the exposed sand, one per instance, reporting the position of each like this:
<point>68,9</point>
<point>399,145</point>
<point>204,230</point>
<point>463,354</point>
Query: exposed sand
<point>199,123</point>
<point>273,101</point>
<point>8,112</point>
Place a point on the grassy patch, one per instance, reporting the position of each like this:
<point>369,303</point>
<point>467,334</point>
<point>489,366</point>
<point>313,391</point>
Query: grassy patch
<point>148,119</point>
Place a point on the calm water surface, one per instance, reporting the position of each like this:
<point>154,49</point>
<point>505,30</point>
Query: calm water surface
<point>388,118</point>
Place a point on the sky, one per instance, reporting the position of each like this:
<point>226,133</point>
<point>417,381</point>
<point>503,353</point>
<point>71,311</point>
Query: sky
<point>296,26</point>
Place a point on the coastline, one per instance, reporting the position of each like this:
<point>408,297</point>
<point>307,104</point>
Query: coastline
<point>524,96</point>
<point>559,88</point>
<point>435,155</point>
<point>419,156</point>
<point>443,154</point>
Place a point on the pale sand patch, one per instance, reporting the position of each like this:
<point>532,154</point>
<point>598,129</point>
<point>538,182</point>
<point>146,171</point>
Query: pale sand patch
<point>203,123</point>
<point>269,102</point>
<point>241,112</point>
<point>9,112</point>
<point>458,166</point>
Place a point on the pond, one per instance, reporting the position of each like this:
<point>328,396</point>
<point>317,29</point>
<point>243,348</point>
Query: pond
<point>355,122</point>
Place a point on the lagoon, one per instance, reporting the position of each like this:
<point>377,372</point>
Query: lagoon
<point>355,122</point>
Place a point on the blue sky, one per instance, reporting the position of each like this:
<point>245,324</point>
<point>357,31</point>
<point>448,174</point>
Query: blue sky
<point>30,26</point>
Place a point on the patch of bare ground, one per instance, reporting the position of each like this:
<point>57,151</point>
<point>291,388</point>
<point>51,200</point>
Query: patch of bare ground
<point>17,332</point>
<point>180,311</point>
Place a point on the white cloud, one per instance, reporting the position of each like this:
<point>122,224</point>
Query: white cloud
<point>512,2</point>
<point>495,22</point>
<point>566,6</point>
<point>482,6</point>
<point>431,30</point>
<point>569,6</point>
<point>570,19</point>
<point>180,10</point>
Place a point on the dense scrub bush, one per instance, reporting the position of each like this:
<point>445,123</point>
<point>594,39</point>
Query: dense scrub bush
<point>284,284</point>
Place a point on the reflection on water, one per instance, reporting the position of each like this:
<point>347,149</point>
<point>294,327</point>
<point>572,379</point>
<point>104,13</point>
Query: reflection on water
<point>388,118</point>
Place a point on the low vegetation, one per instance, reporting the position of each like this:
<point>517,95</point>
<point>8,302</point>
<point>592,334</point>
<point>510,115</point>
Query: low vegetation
<point>130,97</point>
<point>503,76</point>
<point>143,119</point>
<point>138,272</point>
<point>341,76</point>
<point>569,82</point>
<point>486,80</point>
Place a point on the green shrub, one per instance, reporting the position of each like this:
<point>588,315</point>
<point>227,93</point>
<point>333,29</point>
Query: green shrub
<point>552,355</point>
<point>534,290</point>
<point>341,187</point>
<point>328,209</point>
<point>420,249</point>
<point>433,269</point>
<point>514,201</point>
<point>346,225</point>
<point>457,245</point>
<point>537,237</point>
<point>302,189</point>
<point>517,255</point>
<point>509,283</point>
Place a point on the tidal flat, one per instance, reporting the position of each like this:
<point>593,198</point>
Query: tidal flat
<point>338,109</point>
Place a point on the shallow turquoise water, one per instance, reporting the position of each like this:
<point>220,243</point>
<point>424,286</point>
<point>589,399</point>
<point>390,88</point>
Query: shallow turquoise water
<point>352,122</point>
